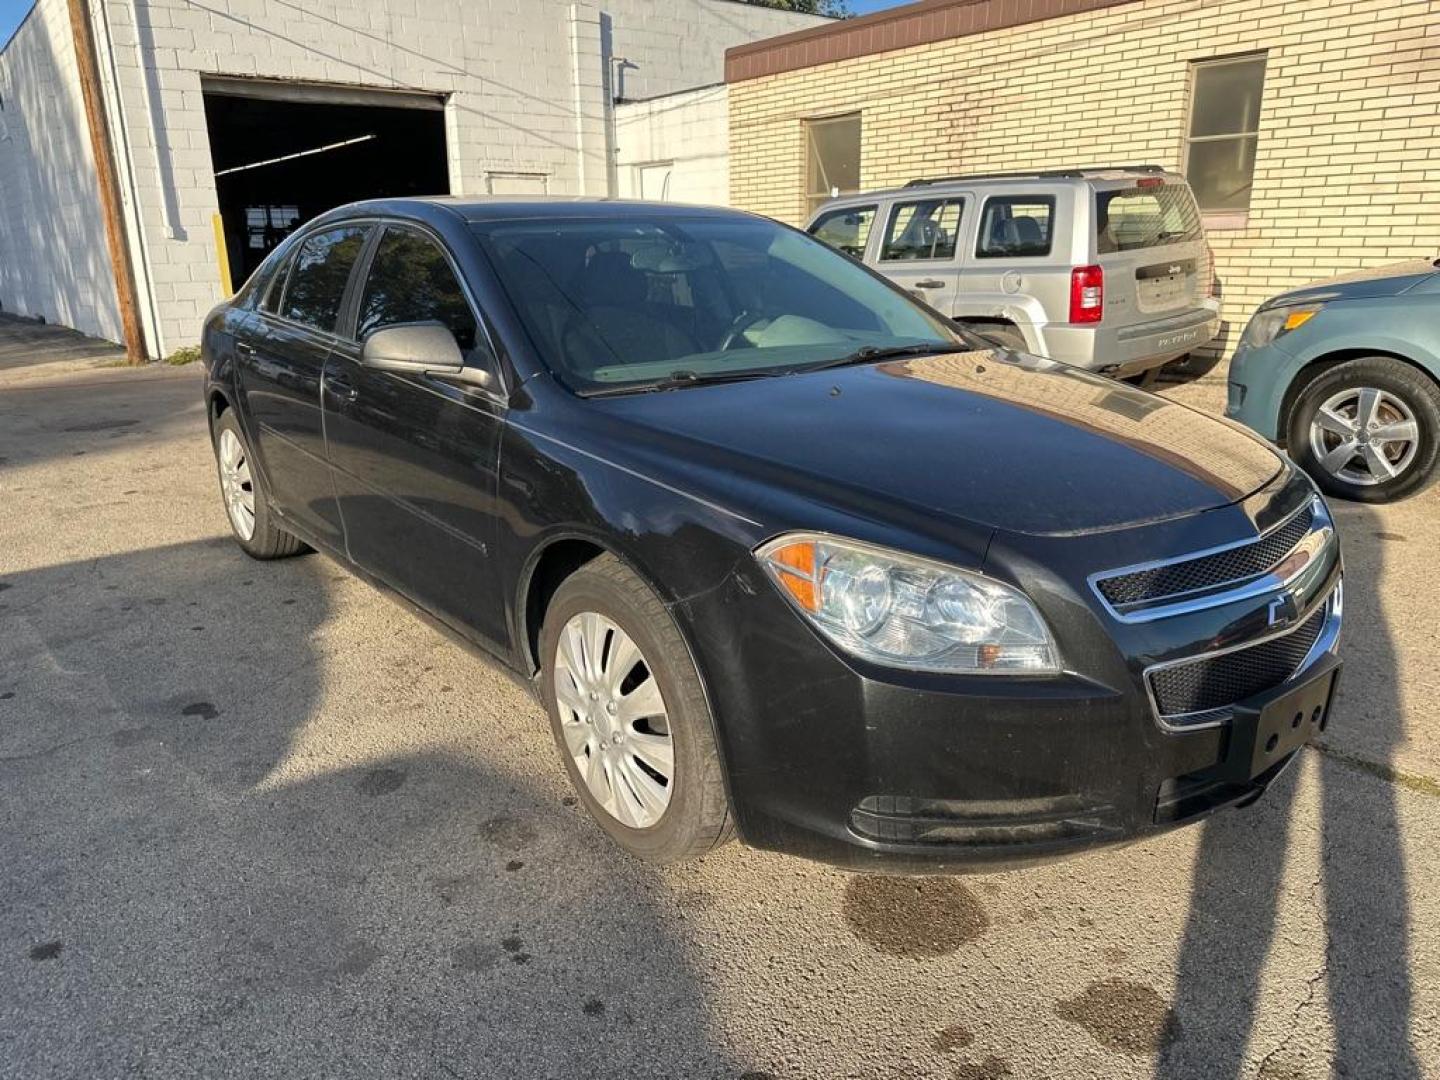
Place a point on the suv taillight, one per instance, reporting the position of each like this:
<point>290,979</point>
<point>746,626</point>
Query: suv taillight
<point>1087,294</point>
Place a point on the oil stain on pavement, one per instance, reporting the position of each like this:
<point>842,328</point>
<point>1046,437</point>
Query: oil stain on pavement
<point>507,833</point>
<point>1123,1015</point>
<point>381,781</point>
<point>954,1037</point>
<point>992,1068</point>
<point>913,917</point>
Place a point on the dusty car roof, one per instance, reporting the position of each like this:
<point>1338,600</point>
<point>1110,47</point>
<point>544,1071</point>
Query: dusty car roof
<point>477,208</point>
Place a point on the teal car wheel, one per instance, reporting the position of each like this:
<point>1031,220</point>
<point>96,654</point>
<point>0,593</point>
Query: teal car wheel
<point>1368,429</point>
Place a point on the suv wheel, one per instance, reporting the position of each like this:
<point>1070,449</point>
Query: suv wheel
<point>1368,429</point>
<point>251,519</point>
<point>630,717</point>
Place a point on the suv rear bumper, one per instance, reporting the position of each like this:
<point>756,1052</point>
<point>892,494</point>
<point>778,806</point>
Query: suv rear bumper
<point>1132,349</point>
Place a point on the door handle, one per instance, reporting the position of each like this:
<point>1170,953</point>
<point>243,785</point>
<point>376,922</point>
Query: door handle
<point>343,389</point>
<point>929,283</point>
<point>244,348</point>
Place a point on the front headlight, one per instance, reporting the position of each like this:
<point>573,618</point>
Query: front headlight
<point>1276,322</point>
<point>909,612</point>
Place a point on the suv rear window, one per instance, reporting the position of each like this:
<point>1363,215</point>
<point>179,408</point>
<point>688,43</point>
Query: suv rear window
<point>1146,217</point>
<point>1016,225</point>
<point>846,229</point>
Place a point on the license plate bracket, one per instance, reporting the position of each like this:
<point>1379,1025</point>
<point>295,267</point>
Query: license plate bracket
<point>1263,736</point>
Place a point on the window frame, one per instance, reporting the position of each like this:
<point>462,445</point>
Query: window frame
<point>943,200</point>
<point>808,126</point>
<point>1048,199</point>
<point>1221,218</point>
<point>350,317</point>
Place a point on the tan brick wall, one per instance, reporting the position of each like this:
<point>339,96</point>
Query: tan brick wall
<point>1347,171</point>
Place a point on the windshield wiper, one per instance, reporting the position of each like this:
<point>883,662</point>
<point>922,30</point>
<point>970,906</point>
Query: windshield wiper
<point>868,354</point>
<point>683,379</point>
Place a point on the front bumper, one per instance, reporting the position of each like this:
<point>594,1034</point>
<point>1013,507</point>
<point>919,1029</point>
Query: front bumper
<point>867,767</point>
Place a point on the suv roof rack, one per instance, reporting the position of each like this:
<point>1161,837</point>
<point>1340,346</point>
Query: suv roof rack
<point>1037,174</point>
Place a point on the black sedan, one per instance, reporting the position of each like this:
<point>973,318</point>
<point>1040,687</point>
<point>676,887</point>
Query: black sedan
<point>783,553</point>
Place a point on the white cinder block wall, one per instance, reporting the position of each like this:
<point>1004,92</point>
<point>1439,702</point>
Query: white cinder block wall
<point>527,84</point>
<point>683,137</point>
<point>53,259</point>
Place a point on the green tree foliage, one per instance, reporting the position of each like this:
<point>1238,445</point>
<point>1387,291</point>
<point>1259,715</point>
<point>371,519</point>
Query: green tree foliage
<point>839,9</point>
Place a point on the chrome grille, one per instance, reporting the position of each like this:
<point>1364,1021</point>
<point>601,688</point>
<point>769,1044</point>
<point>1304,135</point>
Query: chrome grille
<point>1212,683</point>
<point>1208,571</point>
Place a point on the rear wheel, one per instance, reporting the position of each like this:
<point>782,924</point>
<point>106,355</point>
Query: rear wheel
<point>1368,429</point>
<point>630,717</point>
<point>251,519</point>
<point>1006,335</point>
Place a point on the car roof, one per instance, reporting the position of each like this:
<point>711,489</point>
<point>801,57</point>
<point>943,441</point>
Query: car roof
<point>1104,178</point>
<point>487,208</point>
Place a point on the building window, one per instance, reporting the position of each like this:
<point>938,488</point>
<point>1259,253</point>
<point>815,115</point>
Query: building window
<point>832,159</point>
<point>1224,131</point>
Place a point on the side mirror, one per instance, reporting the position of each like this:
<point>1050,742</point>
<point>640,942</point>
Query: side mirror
<point>425,348</point>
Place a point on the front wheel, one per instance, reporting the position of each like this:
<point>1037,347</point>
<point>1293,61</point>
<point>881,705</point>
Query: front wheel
<point>630,717</point>
<point>1368,430</point>
<point>251,519</point>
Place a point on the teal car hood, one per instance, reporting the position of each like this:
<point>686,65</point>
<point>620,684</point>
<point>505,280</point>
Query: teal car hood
<point>1388,280</point>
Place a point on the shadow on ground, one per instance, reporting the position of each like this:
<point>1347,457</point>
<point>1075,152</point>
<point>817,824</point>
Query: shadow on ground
<point>186,892</point>
<point>1364,981</point>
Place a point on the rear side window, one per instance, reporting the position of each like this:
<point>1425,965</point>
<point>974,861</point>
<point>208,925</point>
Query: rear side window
<point>923,230</point>
<point>846,230</point>
<point>411,281</point>
<point>322,269</point>
<point>1016,225</point>
<point>1144,218</point>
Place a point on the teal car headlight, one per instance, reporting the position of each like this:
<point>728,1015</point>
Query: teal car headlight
<point>1273,323</point>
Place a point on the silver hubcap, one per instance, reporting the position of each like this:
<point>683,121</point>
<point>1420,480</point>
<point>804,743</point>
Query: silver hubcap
<point>235,484</point>
<point>1364,436</point>
<point>614,721</point>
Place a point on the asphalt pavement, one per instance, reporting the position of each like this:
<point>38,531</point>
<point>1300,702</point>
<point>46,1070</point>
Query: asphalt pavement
<point>257,820</point>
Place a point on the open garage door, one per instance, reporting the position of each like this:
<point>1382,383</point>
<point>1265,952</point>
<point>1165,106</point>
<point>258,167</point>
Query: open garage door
<point>284,152</point>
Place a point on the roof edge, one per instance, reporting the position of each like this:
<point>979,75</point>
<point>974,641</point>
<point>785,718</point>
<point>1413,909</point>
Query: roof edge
<point>920,23</point>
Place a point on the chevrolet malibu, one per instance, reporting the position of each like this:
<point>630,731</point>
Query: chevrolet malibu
<point>785,555</point>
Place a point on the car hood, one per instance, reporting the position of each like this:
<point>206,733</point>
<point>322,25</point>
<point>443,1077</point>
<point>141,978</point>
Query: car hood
<point>994,439</point>
<point>1390,280</point>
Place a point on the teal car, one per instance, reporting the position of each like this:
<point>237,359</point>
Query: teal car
<point>1346,375</point>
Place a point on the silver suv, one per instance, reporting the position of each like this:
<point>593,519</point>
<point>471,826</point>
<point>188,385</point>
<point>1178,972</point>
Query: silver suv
<point>1107,269</point>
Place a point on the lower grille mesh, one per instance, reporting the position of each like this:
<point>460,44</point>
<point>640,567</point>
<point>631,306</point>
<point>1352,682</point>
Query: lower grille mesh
<point>1218,681</point>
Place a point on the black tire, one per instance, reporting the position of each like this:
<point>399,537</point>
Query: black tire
<point>1411,387</point>
<point>697,818</point>
<point>268,541</point>
<point>1006,335</point>
<point>1147,379</point>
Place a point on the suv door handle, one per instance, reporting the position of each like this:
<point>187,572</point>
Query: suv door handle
<point>929,283</point>
<point>244,348</point>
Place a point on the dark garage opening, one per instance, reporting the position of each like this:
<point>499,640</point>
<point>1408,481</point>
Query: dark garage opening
<point>344,152</point>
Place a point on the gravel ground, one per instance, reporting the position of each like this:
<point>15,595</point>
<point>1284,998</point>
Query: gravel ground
<point>257,820</point>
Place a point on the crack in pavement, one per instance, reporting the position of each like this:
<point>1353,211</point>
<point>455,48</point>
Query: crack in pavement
<point>1416,782</point>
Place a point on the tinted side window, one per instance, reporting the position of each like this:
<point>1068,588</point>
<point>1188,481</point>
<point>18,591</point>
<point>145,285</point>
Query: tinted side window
<point>846,230</point>
<point>411,281</point>
<point>1016,225</point>
<point>271,288</point>
<point>322,267</point>
<point>923,230</point>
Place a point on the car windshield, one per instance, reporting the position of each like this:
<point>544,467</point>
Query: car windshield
<point>634,302</point>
